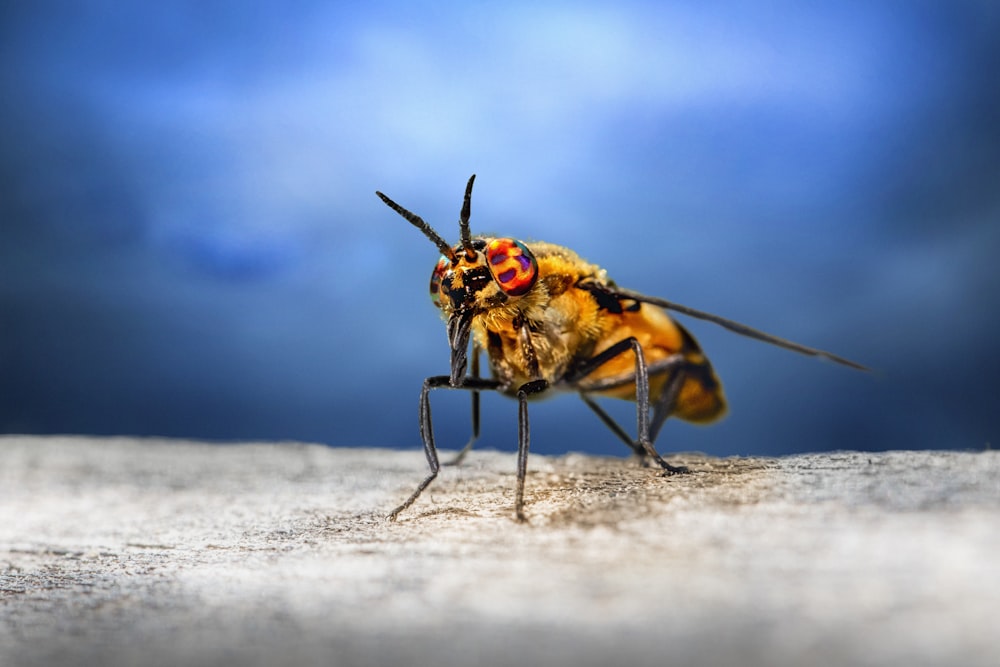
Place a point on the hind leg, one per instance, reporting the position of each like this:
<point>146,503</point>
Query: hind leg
<point>646,432</point>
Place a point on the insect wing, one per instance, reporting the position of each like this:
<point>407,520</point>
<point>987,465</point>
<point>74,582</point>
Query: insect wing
<point>737,327</point>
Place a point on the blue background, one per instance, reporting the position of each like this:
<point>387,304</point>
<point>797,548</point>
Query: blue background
<point>191,244</point>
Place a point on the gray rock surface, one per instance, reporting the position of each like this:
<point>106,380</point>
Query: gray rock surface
<point>153,552</point>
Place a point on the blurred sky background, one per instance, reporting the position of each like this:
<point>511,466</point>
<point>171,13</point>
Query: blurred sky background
<point>190,243</point>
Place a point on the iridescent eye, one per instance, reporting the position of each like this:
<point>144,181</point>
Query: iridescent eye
<point>512,265</point>
<point>439,270</point>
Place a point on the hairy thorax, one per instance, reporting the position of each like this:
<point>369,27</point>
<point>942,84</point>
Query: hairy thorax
<point>540,335</point>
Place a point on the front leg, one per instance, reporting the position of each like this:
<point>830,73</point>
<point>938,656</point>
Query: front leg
<point>427,431</point>
<point>523,440</point>
<point>475,413</point>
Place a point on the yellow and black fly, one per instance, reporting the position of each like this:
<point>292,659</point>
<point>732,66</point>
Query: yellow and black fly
<point>550,321</point>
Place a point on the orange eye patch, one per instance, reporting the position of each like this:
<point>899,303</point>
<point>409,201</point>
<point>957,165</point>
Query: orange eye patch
<point>513,266</point>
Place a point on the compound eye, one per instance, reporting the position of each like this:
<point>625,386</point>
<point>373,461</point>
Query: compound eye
<point>436,276</point>
<point>513,266</point>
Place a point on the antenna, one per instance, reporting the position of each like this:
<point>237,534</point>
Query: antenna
<point>463,221</point>
<point>428,231</point>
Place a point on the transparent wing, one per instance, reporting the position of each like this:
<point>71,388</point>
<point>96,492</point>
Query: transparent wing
<point>736,327</point>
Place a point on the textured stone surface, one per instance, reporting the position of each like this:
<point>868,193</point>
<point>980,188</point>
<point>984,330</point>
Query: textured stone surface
<point>123,552</point>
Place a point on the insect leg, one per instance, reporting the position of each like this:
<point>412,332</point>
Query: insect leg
<point>475,413</point>
<point>641,380</point>
<point>613,425</point>
<point>427,430</point>
<point>665,406</point>
<point>662,409</point>
<point>668,394</point>
<point>523,440</point>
